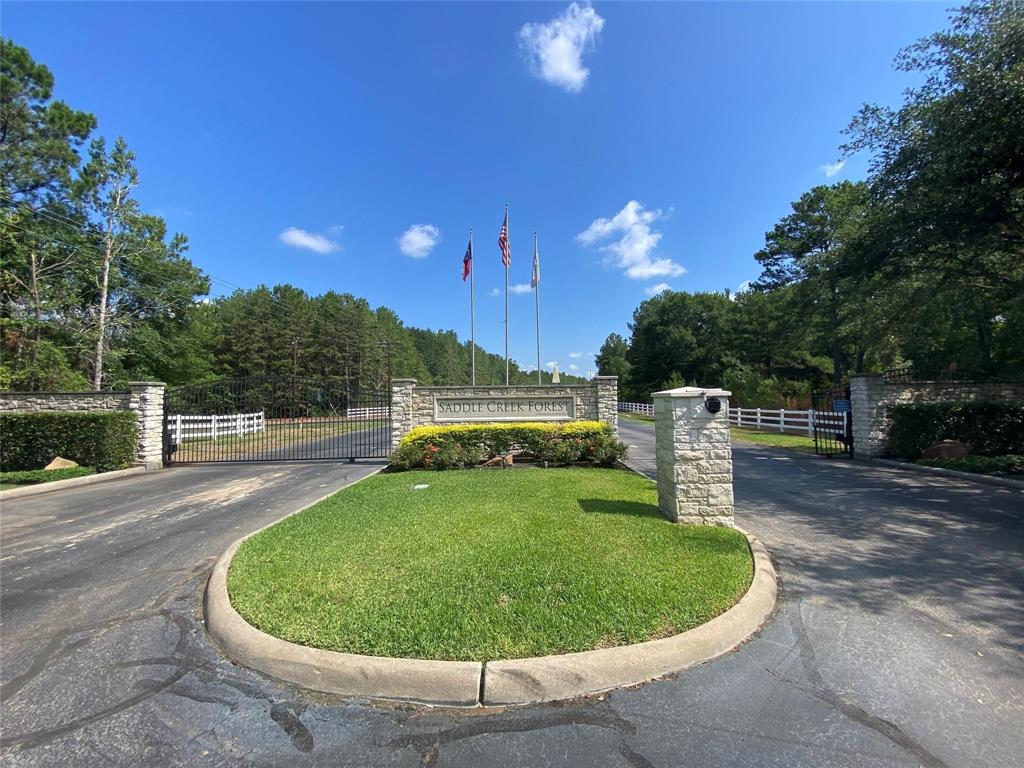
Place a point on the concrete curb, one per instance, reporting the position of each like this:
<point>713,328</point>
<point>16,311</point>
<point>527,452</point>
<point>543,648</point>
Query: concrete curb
<point>471,684</point>
<point>71,482</point>
<point>447,683</point>
<point>1005,482</point>
<point>550,678</point>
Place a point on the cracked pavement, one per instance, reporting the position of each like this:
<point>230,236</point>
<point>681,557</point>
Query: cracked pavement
<point>898,639</point>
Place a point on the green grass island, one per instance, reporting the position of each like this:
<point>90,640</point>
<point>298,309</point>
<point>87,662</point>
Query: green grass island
<point>487,564</point>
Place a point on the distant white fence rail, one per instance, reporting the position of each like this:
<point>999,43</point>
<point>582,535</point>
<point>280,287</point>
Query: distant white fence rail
<point>643,408</point>
<point>380,412</point>
<point>775,420</point>
<point>183,428</point>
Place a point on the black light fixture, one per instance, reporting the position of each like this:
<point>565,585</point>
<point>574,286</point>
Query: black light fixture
<point>713,404</point>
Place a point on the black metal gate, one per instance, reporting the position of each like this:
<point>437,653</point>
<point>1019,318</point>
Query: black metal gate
<point>833,422</point>
<point>275,418</point>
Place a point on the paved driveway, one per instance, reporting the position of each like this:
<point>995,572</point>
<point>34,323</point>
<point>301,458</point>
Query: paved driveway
<point>898,642</point>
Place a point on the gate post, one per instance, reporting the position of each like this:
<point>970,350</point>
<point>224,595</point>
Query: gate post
<point>146,400</point>
<point>694,455</point>
<point>868,414</point>
<point>401,409</point>
<point>607,389</point>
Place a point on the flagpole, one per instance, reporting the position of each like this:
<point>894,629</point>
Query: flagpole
<point>508,236</point>
<point>536,294</point>
<point>472,317</point>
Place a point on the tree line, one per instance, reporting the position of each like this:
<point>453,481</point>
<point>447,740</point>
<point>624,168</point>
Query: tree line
<point>96,292</point>
<point>922,264</point>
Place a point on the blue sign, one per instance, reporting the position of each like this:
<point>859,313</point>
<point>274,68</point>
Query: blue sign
<point>841,406</point>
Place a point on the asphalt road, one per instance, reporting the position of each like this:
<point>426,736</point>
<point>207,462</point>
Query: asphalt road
<point>898,642</point>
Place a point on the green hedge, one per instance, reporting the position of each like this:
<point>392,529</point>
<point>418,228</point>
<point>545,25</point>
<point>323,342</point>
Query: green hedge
<point>104,440</point>
<point>990,428</point>
<point>465,445</point>
<point>36,476</point>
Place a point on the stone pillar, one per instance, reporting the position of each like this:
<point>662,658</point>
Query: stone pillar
<point>694,456</point>
<point>867,409</point>
<point>401,409</point>
<point>608,400</point>
<point>146,400</point>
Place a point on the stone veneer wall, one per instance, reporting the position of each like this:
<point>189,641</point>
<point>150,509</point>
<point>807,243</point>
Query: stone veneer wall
<point>870,398</point>
<point>413,405</point>
<point>144,398</point>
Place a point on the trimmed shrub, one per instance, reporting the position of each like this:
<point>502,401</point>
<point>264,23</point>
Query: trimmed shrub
<point>990,428</point>
<point>100,439</point>
<point>36,476</point>
<point>466,445</point>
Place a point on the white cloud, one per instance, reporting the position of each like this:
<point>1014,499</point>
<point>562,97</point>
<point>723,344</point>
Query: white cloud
<point>337,229</point>
<point>632,251</point>
<point>520,288</point>
<point>555,49</point>
<point>552,364</point>
<point>419,240</point>
<point>654,290</point>
<point>574,355</point>
<point>300,238</point>
<point>741,288</point>
<point>831,169</point>
<point>573,367</point>
<point>494,292</point>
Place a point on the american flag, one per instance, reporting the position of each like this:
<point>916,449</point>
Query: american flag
<point>506,250</point>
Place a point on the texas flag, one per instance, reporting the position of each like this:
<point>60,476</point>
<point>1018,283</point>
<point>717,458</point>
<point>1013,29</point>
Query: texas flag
<point>467,260</point>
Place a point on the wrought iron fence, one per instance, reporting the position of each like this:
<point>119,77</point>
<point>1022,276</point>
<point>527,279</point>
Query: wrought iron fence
<point>275,418</point>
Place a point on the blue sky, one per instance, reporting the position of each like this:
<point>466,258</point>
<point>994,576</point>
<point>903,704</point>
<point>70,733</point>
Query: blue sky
<point>648,144</point>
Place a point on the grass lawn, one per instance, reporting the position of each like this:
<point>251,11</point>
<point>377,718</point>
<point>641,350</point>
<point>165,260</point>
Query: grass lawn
<point>19,478</point>
<point>636,417</point>
<point>487,564</point>
<point>747,435</point>
<point>1011,465</point>
<point>275,439</point>
<point>774,439</point>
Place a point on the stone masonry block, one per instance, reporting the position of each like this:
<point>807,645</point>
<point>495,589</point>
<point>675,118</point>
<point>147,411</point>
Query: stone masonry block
<point>694,457</point>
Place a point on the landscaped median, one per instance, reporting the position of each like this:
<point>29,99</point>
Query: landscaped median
<point>486,587</point>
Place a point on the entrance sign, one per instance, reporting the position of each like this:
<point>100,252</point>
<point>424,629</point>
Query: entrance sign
<point>414,406</point>
<point>512,408</point>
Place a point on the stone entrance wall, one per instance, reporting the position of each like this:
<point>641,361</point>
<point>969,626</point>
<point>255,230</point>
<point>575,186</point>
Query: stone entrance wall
<point>413,405</point>
<point>144,398</point>
<point>871,396</point>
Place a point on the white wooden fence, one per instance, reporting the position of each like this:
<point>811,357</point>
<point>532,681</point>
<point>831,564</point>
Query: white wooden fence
<point>642,408</point>
<point>184,428</point>
<point>380,412</point>
<point>776,420</point>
